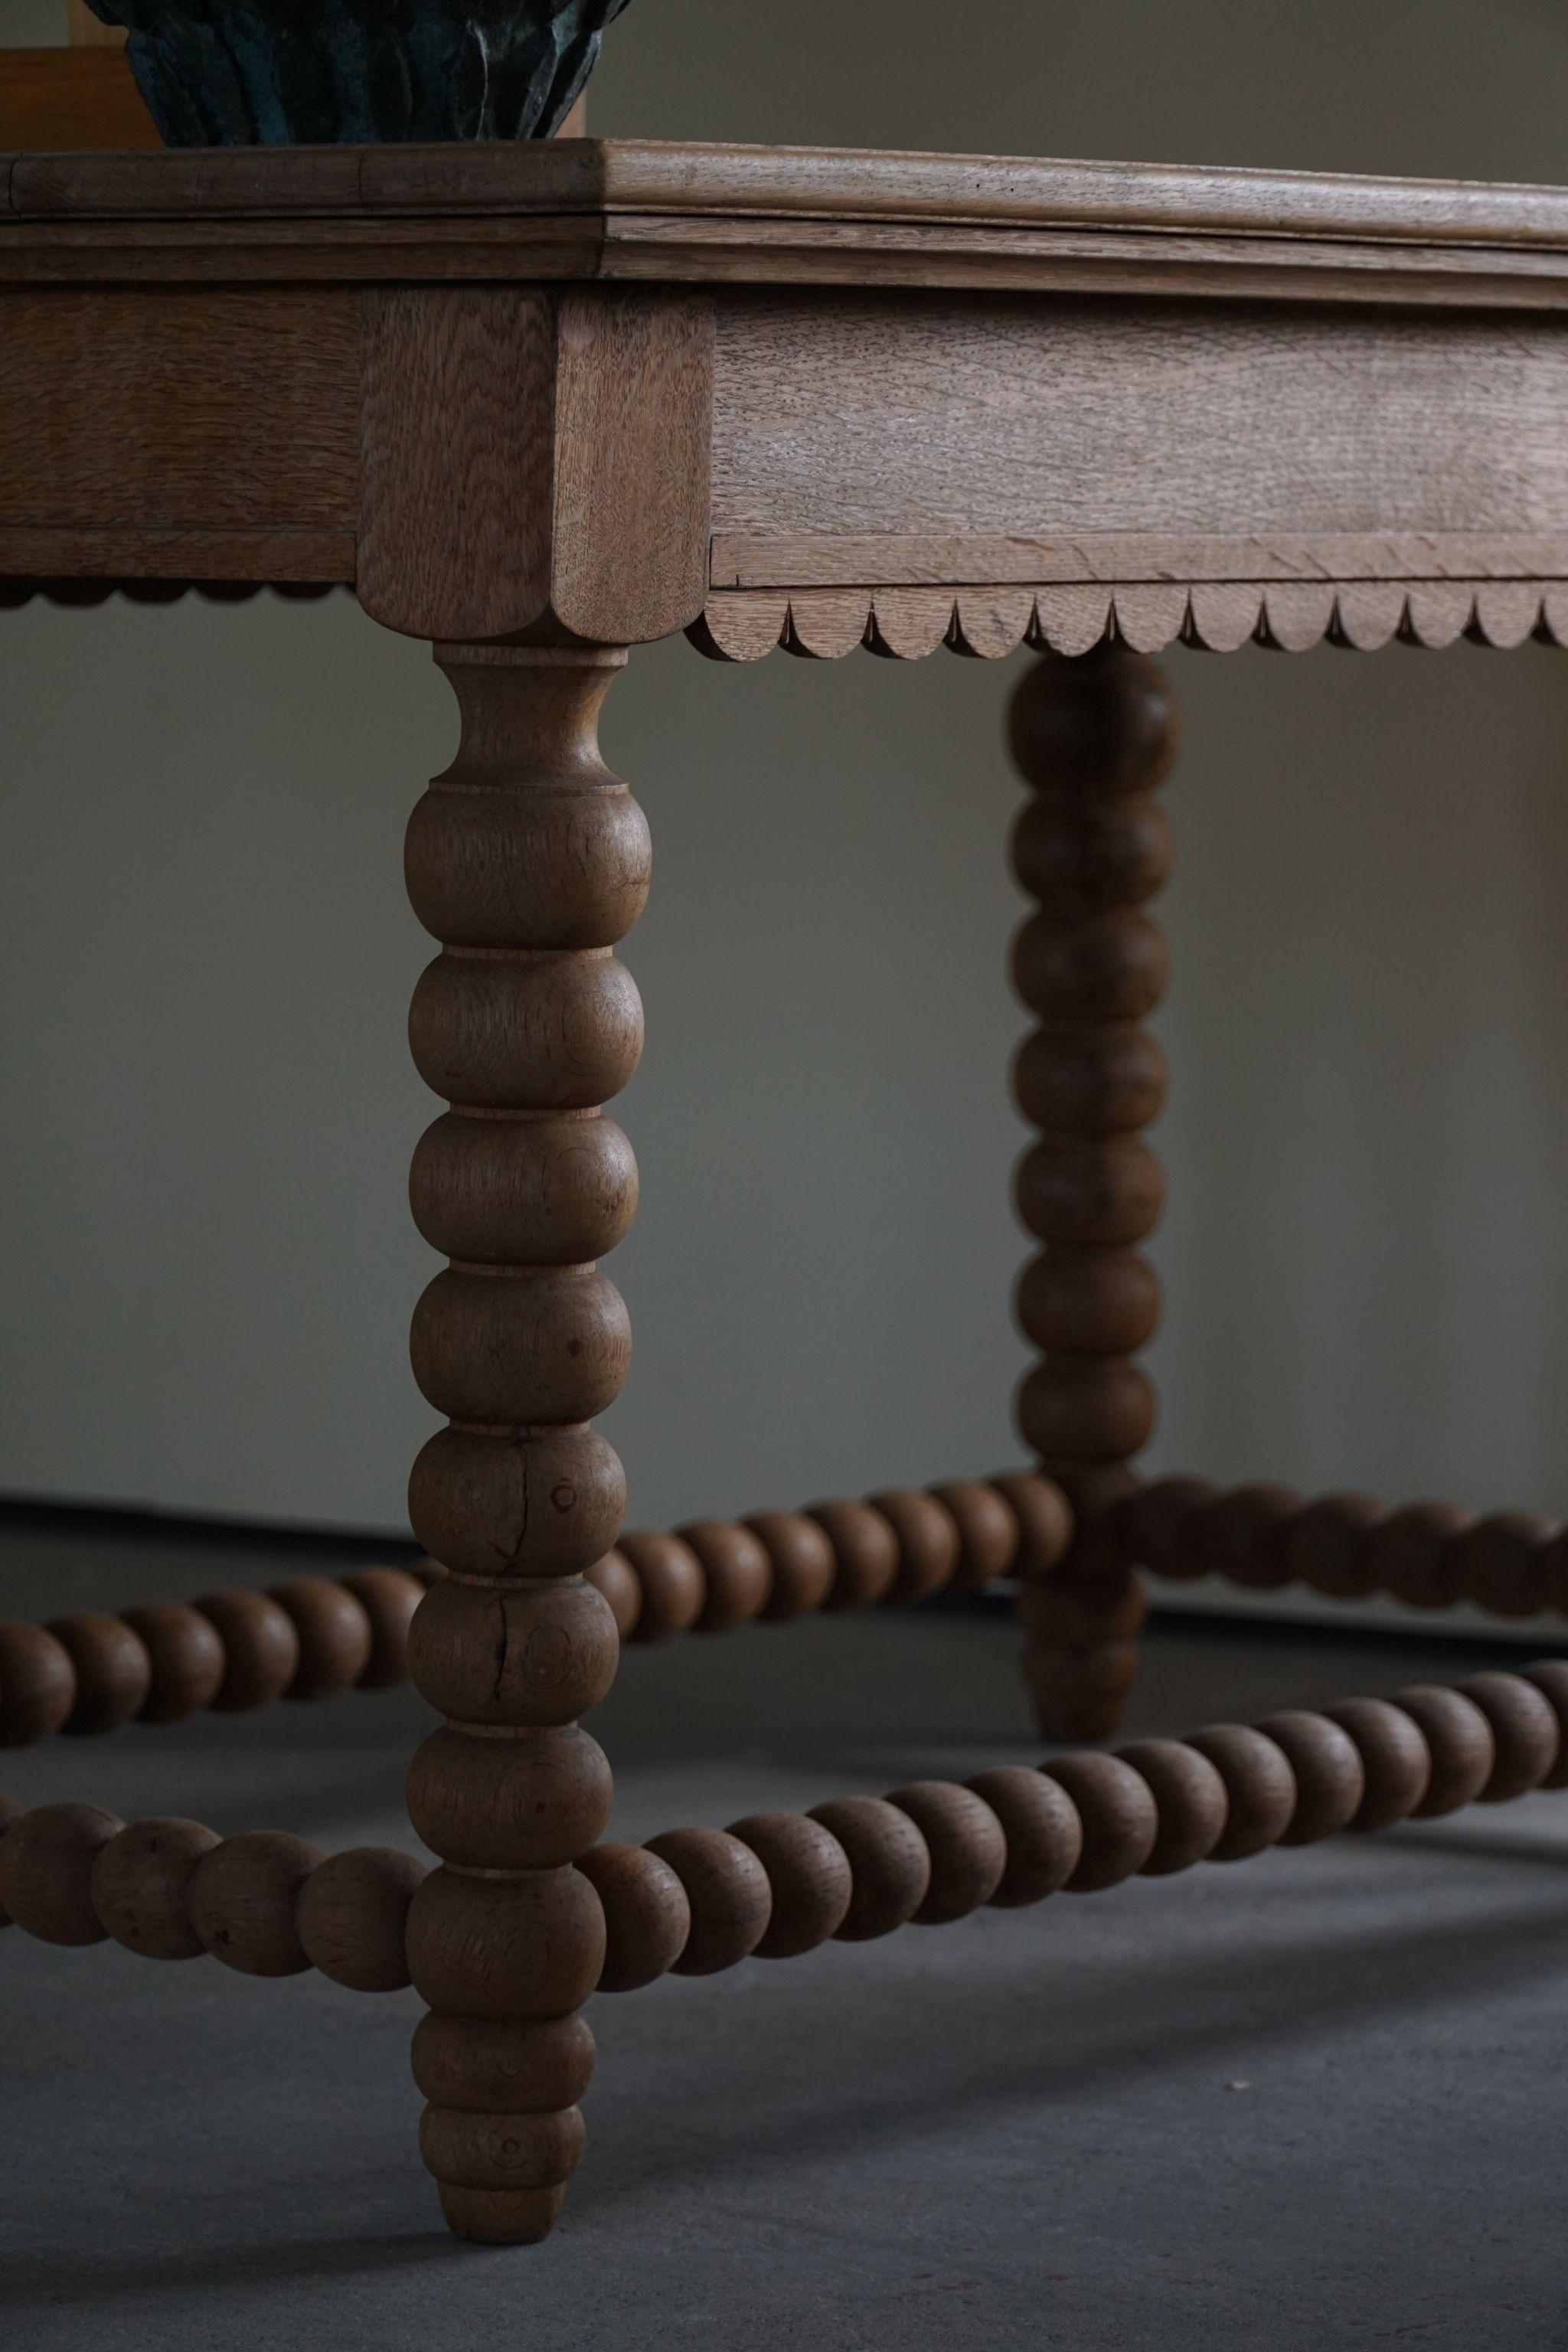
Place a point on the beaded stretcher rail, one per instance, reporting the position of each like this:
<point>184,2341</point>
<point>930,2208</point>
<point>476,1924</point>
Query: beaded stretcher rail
<point>314,1637</point>
<point>695,1901</point>
<point>773,1886</point>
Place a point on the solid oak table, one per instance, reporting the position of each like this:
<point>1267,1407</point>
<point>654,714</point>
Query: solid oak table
<point>536,406</point>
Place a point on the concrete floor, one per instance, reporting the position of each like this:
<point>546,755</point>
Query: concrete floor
<point>1311,2101</point>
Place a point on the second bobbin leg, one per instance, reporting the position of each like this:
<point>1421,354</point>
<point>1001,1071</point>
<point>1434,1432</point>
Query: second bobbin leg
<point>1094,739</point>
<point>528,861</point>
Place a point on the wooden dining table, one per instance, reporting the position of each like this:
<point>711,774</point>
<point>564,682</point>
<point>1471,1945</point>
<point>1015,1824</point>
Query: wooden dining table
<point>537,406</point>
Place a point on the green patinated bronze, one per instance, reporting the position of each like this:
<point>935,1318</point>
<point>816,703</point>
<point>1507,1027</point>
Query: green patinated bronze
<point>292,73</point>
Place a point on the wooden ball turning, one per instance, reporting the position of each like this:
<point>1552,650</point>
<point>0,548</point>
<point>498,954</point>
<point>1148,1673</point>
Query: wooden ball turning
<point>1190,1799</point>
<point>46,1860</point>
<point>1260,1789</point>
<point>141,1886</point>
<point>1043,1832</point>
<point>351,1917</point>
<point>966,1842</point>
<point>1120,1819</point>
<point>186,1658</point>
<point>38,1686</point>
<point>242,1900</point>
<point>889,1864</point>
<point>648,1914</point>
<point>728,1889</point>
<point>810,1878</point>
<point>114,1671</point>
<point>261,1649</point>
<point>1330,1779</point>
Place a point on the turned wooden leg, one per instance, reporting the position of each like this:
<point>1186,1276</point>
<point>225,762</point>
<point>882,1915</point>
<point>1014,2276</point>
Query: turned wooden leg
<point>1093,739</point>
<point>529,862</point>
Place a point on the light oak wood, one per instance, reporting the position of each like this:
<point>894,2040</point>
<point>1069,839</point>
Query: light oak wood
<point>900,468</point>
<point>1344,1546</point>
<point>91,32</point>
<point>528,861</point>
<point>988,261</point>
<point>857,1868</point>
<point>853,1869</point>
<point>155,413</point>
<point>902,558</point>
<point>580,207</point>
<point>634,425</point>
<point>284,555</point>
<point>537,404</point>
<point>535,459</point>
<point>314,1638</point>
<point>907,625</point>
<point>988,429</point>
<point>458,431</point>
<point>1094,740</point>
<point>669,177</point>
<point>74,98</point>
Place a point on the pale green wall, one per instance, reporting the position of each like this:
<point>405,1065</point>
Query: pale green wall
<point>205,956</point>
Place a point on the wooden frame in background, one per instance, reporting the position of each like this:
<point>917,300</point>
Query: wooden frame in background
<point>75,98</point>
<point>90,32</point>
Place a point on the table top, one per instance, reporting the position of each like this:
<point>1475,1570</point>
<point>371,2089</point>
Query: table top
<point>806,396</point>
<point>586,209</point>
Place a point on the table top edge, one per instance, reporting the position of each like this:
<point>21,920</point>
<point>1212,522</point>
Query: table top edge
<point>578,178</point>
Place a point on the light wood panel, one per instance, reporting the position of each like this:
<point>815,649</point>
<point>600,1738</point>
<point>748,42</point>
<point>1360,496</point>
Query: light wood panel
<point>536,461</point>
<point>842,183</point>
<point>635,414</point>
<point>284,556</point>
<point>634,209</point>
<point>91,32</point>
<point>70,99</point>
<point>458,436</point>
<point>908,624</point>
<point>150,412</point>
<point>743,559</point>
<point>1012,438</point>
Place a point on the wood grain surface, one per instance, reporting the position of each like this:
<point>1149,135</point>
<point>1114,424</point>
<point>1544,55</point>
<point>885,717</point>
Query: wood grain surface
<point>76,97</point>
<point>147,411</point>
<point>894,464</point>
<point>898,559</point>
<point>91,32</point>
<point>458,434</point>
<point>946,419</point>
<point>635,415</point>
<point>285,556</point>
<point>674,212</point>
<point>1289,616</point>
<point>675,177</point>
<point>532,459</point>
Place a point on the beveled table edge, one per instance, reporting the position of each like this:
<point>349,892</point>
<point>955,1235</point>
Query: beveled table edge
<point>594,175</point>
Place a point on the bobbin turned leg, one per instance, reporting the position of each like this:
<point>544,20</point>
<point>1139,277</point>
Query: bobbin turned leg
<point>528,861</point>
<point>1093,739</point>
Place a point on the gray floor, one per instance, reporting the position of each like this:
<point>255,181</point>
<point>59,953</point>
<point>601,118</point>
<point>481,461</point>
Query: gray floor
<point>1312,2101</point>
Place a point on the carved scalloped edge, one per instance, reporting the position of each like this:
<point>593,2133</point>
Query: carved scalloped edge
<point>17,592</point>
<point>907,624</point>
